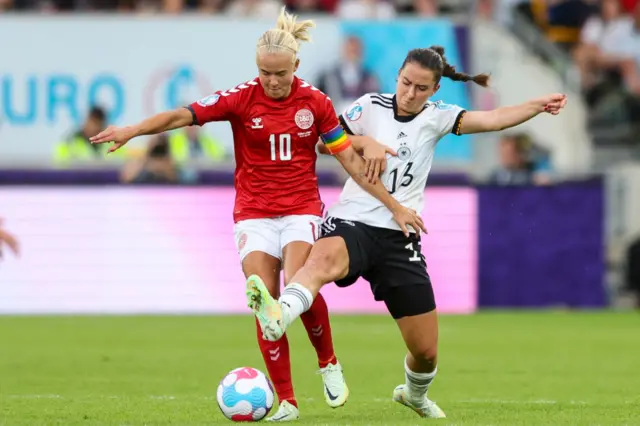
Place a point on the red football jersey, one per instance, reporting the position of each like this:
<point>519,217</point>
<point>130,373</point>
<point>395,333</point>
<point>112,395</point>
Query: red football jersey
<point>274,142</point>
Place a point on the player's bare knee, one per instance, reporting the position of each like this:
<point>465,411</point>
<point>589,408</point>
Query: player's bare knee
<point>425,353</point>
<point>319,264</point>
<point>266,267</point>
<point>327,262</point>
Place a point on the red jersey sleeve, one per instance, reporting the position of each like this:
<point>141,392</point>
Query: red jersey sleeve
<point>331,132</point>
<point>220,106</point>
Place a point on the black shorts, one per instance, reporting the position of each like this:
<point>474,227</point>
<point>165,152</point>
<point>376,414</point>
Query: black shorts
<point>392,264</point>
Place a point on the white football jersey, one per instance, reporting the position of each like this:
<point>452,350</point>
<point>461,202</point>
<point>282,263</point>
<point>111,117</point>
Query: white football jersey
<point>414,138</point>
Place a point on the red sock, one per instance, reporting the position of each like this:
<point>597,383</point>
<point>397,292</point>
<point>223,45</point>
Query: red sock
<point>316,321</point>
<point>276,358</point>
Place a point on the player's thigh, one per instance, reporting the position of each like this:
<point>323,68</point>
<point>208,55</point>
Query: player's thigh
<point>258,244</point>
<point>294,255</point>
<point>327,262</point>
<point>344,248</point>
<point>297,235</point>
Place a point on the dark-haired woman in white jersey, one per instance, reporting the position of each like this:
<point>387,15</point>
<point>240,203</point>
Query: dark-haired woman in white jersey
<point>360,238</point>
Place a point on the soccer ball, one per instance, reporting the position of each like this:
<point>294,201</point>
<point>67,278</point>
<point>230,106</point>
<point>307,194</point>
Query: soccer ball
<point>245,395</point>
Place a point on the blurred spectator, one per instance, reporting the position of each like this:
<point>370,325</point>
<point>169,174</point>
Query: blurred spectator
<point>629,5</point>
<point>156,166</point>
<point>630,66</point>
<point>486,9</point>
<point>366,9</point>
<point>77,148</point>
<point>267,9</point>
<point>633,270</point>
<point>559,20</point>
<point>348,79</point>
<point>425,8</point>
<point>148,6</point>
<point>103,5</point>
<point>520,162</point>
<point>602,42</point>
<point>173,6</point>
<point>191,143</point>
<point>304,6</point>
<point>8,239</point>
<point>211,6</point>
<point>609,64</point>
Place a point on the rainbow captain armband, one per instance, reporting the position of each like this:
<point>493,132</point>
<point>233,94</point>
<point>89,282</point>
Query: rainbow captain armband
<point>336,140</point>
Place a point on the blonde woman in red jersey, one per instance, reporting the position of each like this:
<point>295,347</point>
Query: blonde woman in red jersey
<point>276,121</point>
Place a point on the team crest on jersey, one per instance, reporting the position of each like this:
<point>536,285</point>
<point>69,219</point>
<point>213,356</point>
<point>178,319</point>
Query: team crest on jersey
<point>355,112</point>
<point>404,153</point>
<point>209,100</point>
<point>304,119</point>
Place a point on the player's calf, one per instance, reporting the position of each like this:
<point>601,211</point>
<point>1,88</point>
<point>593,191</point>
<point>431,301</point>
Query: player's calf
<point>327,262</point>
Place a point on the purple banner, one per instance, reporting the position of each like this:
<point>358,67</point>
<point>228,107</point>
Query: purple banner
<point>541,246</point>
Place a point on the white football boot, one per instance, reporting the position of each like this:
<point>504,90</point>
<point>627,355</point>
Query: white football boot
<point>336,391</point>
<point>423,405</point>
<point>287,412</point>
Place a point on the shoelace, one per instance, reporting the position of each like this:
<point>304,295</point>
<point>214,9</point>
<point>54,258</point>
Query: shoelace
<point>331,368</point>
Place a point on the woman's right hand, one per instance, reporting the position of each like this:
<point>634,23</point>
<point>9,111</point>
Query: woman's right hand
<point>118,135</point>
<point>408,217</point>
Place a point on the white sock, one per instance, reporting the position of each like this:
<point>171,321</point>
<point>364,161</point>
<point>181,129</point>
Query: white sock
<point>295,300</point>
<point>417,383</point>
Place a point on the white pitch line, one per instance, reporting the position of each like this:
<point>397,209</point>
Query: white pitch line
<point>47,396</point>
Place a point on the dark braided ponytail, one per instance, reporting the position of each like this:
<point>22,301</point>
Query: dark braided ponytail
<point>433,58</point>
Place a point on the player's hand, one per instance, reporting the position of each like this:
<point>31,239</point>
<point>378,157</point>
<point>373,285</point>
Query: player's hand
<point>322,149</point>
<point>375,157</point>
<point>10,241</point>
<point>553,103</point>
<point>408,217</point>
<point>118,135</point>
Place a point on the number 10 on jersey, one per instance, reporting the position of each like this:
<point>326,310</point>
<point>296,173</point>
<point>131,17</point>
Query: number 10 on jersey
<point>283,150</point>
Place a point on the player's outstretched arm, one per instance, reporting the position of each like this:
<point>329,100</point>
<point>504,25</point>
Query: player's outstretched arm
<point>158,123</point>
<point>506,117</point>
<point>354,164</point>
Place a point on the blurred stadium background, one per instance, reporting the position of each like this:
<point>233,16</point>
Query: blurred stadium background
<point>545,216</point>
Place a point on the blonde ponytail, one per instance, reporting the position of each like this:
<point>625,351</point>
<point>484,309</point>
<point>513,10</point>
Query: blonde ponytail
<point>286,35</point>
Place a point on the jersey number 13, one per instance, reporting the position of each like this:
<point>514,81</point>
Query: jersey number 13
<point>404,180</point>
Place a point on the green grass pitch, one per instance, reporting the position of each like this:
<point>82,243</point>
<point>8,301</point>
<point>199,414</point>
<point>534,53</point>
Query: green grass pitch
<point>496,368</point>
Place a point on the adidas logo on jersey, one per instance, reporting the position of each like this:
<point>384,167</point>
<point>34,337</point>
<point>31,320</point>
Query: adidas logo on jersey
<point>401,135</point>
